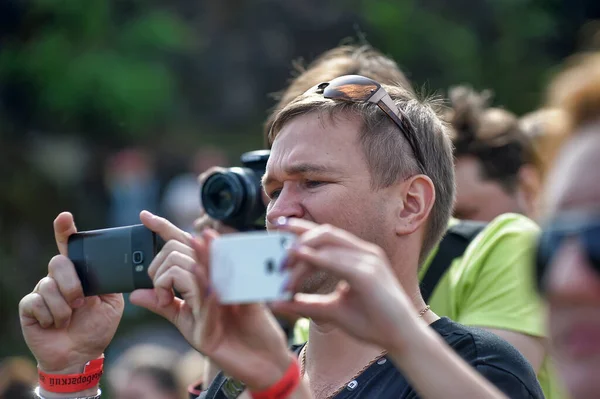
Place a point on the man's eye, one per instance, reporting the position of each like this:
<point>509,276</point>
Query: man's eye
<point>274,194</point>
<point>313,183</point>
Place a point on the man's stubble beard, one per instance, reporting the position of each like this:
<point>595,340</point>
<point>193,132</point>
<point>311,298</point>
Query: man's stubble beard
<point>319,283</point>
<point>322,282</point>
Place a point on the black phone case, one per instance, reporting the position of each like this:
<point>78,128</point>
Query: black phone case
<point>114,260</point>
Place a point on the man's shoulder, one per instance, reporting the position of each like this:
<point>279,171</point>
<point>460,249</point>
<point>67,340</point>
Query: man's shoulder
<point>492,356</point>
<point>475,342</point>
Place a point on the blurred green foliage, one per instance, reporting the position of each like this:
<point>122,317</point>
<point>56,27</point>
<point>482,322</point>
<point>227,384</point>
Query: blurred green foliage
<point>82,66</point>
<point>503,44</point>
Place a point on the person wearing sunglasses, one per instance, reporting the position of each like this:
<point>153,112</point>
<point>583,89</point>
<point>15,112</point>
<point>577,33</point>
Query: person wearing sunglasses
<point>568,251</point>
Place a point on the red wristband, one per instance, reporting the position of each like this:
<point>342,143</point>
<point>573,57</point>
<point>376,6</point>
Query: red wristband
<point>69,383</point>
<point>284,387</point>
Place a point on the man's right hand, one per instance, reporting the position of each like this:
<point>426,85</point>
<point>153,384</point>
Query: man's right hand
<point>62,328</point>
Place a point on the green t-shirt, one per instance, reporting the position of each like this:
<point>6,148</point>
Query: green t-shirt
<point>492,286</point>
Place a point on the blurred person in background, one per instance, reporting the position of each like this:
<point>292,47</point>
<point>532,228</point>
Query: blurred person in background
<point>181,200</point>
<point>480,275</point>
<point>568,253</point>
<point>495,163</point>
<point>131,185</point>
<point>356,59</point>
<point>544,128</point>
<point>18,377</point>
<point>150,371</point>
<point>190,369</point>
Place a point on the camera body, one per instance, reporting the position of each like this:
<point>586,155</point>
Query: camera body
<point>234,196</point>
<point>114,260</point>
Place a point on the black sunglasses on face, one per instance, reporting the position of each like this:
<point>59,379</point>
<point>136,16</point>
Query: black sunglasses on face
<point>580,226</point>
<point>356,88</point>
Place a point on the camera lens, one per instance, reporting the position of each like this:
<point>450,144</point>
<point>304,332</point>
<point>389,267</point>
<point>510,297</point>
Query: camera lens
<point>221,195</point>
<point>137,257</point>
<point>234,196</point>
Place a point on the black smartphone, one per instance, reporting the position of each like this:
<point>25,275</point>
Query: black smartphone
<point>114,260</point>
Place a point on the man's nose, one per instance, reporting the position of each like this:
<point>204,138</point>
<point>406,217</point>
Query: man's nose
<point>287,204</point>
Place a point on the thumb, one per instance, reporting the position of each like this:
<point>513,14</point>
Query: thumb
<point>64,226</point>
<point>148,299</point>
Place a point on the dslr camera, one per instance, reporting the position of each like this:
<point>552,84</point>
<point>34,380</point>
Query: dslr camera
<point>234,196</point>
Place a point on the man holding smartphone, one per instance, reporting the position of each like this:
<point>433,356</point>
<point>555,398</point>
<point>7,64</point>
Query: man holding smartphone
<point>396,205</point>
<point>488,282</point>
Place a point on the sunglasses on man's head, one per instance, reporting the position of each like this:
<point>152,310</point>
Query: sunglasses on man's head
<point>356,88</point>
<point>578,226</point>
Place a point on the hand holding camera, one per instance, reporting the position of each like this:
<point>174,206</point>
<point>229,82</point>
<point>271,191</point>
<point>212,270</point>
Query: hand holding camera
<point>65,326</point>
<point>63,329</point>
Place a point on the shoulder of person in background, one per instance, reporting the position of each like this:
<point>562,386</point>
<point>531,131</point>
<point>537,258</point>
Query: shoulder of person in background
<point>500,251</point>
<point>492,283</point>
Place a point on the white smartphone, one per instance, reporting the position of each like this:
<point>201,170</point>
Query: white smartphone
<point>246,267</point>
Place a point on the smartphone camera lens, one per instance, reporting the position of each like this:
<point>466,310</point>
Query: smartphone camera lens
<point>138,257</point>
<point>270,266</point>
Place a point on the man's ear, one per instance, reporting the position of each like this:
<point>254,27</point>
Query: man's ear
<point>418,197</point>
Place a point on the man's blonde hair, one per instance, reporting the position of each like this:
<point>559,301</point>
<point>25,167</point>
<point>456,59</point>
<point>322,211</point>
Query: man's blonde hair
<point>362,60</point>
<point>388,153</point>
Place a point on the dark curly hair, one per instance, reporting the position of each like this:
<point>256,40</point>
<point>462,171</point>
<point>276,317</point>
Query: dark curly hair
<point>492,135</point>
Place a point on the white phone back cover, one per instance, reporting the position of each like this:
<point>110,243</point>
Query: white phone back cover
<point>239,270</point>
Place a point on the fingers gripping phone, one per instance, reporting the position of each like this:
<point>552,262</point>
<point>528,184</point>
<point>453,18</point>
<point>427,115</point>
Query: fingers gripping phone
<point>114,260</point>
<point>246,267</point>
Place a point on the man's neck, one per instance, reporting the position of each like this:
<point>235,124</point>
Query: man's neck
<point>332,358</point>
